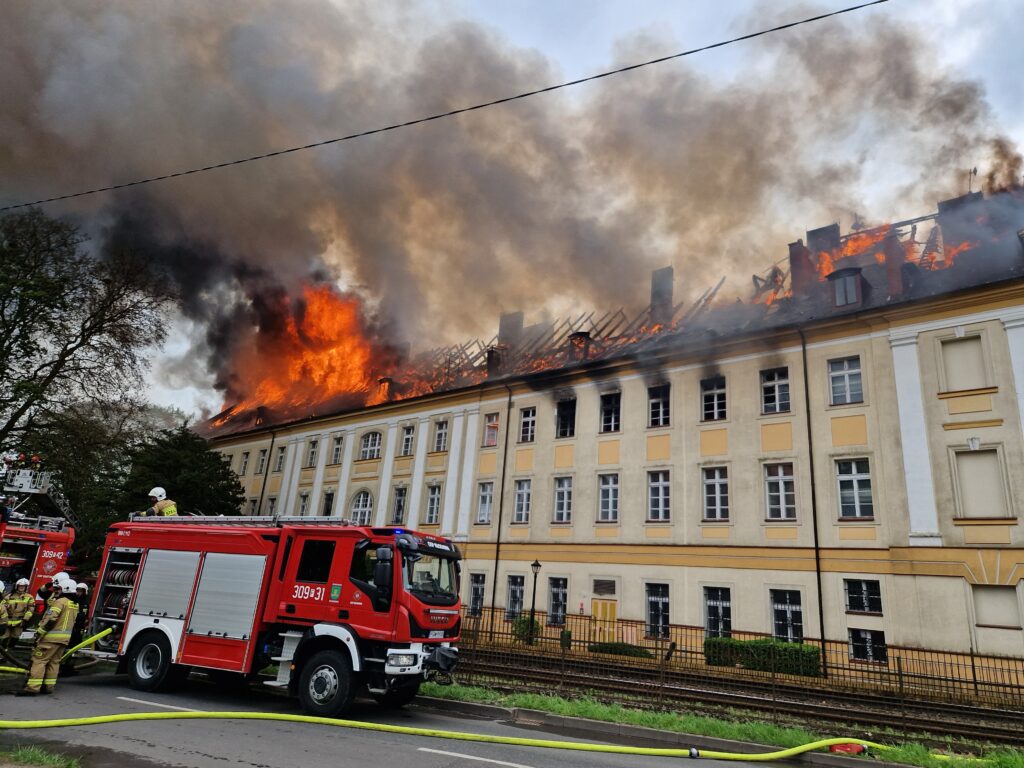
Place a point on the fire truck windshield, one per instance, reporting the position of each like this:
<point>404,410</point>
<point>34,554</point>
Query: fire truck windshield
<point>430,577</point>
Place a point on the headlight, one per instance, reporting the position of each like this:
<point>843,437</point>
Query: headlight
<point>401,660</point>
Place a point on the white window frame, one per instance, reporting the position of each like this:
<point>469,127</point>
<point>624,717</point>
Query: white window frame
<point>408,440</point>
<point>659,406</point>
<point>303,503</point>
<point>874,652</point>
<point>369,446</point>
<point>312,451</point>
<point>657,609</point>
<point>515,597</point>
<point>528,424</point>
<point>441,436</point>
<point>713,400</point>
<point>282,454</point>
<point>338,443</point>
<point>261,461</point>
<point>775,485</point>
<point>433,513</point>
<point>558,600</point>
<point>775,392</point>
<point>857,480</point>
<point>611,412</point>
<point>243,464</point>
<point>400,505</point>
<point>565,418</point>
<point>717,611</point>
<point>608,497</point>
<point>716,493</point>
<point>477,594</point>
<point>562,510</point>
<point>862,595</point>
<point>362,507</point>
<point>780,602</point>
<point>845,373</point>
<point>659,496</point>
<point>523,500</point>
<point>484,502</point>
<point>492,423</point>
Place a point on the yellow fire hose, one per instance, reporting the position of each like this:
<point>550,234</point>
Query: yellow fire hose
<point>67,653</point>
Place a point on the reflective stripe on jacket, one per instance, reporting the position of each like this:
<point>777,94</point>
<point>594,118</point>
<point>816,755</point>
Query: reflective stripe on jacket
<point>165,508</point>
<point>15,607</point>
<point>58,622</point>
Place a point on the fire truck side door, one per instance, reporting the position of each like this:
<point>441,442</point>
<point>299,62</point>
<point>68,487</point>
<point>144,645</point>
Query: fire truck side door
<point>308,582</point>
<point>370,610</point>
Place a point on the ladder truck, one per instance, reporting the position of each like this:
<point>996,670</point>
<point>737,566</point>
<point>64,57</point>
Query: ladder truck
<point>339,608</point>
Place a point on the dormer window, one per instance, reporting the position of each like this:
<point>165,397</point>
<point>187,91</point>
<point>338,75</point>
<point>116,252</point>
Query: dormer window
<point>846,287</point>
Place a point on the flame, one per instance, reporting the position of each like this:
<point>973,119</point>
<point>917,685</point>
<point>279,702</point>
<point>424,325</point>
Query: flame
<point>857,244</point>
<point>950,252</point>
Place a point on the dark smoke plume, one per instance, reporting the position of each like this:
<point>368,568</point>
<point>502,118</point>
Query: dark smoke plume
<point>554,202</point>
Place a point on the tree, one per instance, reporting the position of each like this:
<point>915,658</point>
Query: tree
<point>196,477</point>
<point>73,327</point>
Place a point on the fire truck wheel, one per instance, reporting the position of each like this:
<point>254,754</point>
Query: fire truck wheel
<point>397,697</point>
<point>326,688</point>
<point>149,664</point>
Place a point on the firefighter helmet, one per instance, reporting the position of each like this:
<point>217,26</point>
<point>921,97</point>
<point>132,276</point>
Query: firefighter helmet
<point>158,493</point>
<point>82,587</point>
<point>21,582</point>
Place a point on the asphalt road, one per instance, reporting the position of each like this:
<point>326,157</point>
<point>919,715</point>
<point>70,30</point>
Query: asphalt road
<point>252,744</point>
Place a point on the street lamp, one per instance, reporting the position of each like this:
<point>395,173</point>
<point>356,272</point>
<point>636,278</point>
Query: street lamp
<point>535,567</point>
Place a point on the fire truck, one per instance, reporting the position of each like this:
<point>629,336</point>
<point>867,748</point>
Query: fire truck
<point>339,608</point>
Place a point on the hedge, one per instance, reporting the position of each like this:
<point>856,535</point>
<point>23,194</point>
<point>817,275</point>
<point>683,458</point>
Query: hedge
<point>764,654</point>
<point>621,649</point>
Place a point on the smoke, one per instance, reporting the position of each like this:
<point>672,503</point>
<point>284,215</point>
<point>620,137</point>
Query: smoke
<point>564,200</point>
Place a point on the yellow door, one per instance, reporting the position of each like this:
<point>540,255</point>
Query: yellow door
<point>605,613</point>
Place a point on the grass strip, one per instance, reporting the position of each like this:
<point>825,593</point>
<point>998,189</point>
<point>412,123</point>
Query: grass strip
<point>680,722</point>
<point>37,756</point>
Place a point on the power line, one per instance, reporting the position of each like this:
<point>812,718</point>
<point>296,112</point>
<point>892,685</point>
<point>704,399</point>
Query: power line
<point>442,115</point>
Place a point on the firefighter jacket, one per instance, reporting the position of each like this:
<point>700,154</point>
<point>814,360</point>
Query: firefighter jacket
<point>165,508</point>
<point>15,608</point>
<point>58,622</point>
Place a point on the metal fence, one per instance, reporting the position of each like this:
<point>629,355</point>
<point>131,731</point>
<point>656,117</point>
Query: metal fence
<point>686,653</point>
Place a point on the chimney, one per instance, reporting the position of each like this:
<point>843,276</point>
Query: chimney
<point>802,273</point>
<point>823,239</point>
<point>895,258</point>
<point>385,388</point>
<point>496,359</point>
<point>579,346</point>
<point>661,295</point>
<point>510,329</point>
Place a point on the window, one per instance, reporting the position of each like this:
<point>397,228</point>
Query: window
<point>261,461</point>
<point>485,503</point>
<point>717,612</point>
<point>252,506</point>
<point>336,450</point>
<point>963,362</point>
<point>271,504</point>
<point>433,505</point>
<point>303,503</point>
<point>611,409</point>
<point>608,504</point>
<point>716,493</point>
<point>563,500</point>
<point>658,507</point>
<point>868,645</point>
<point>521,513</point>
<point>565,418</point>
<point>558,598</point>
<point>279,464</point>
<point>362,508</point>
<point>527,424</point>
<point>243,463</point>
<point>847,289</point>
<point>440,437</point>
<point>658,405</point>
<point>328,506</point>
<point>490,430</point>
<point>604,587</point>
<point>477,589</point>
<point>398,508</point>
<point>775,390</point>
<point>408,436</point>
<point>854,489</point>
<point>980,488</point>
<point>315,562</point>
<point>712,392</point>
<point>787,615</point>
<point>863,596</point>
<point>657,610</point>
<point>311,452</point>
<point>780,492</point>
<point>370,446</point>
<point>514,603</point>
<point>996,607</point>
<point>844,381</point>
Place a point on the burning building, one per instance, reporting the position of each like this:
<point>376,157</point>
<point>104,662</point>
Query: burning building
<point>839,456</point>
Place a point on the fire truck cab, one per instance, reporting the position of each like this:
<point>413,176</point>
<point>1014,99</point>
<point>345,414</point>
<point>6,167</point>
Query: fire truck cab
<point>34,547</point>
<point>338,608</point>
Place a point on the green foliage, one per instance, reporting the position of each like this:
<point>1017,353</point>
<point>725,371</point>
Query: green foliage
<point>621,649</point>
<point>37,756</point>
<point>521,629</point>
<point>565,639</point>
<point>198,479</point>
<point>765,654</point>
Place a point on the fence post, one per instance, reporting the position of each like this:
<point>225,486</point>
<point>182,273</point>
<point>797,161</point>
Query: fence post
<point>974,671</point>
<point>900,688</point>
<point>773,663</point>
<point>473,640</point>
<point>661,666</point>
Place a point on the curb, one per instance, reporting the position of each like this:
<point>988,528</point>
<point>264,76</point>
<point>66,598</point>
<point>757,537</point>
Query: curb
<point>635,734</point>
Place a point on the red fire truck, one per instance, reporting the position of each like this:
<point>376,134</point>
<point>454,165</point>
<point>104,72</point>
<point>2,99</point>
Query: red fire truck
<point>34,547</point>
<point>337,607</point>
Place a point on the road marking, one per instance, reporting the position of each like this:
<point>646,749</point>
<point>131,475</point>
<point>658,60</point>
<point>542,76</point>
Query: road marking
<point>157,704</point>
<point>474,757</point>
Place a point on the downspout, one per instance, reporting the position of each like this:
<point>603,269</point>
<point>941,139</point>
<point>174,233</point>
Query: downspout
<point>814,503</point>
<point>266,470</point>
<point>501,510</point>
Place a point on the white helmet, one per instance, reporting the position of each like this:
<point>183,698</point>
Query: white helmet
<point>82,586</point>
<point>60,576</point>
<point>21,583</point>
<point>158,493</point>
<point>1,586</point>
<point>69,586</point>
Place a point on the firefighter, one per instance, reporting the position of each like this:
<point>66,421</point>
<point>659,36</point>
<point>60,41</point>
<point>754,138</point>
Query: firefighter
<point>52,636</point>
<point>162,506</point>
<point>14,610</point>
<point>81,599</point>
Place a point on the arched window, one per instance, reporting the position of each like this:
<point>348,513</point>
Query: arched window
<point>370,447</point>
<point>362,507</point>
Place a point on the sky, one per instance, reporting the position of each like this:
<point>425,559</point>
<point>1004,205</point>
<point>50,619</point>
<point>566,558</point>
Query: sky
<point>977,40</point>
